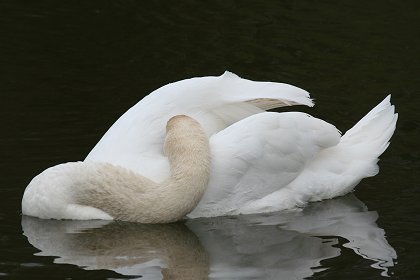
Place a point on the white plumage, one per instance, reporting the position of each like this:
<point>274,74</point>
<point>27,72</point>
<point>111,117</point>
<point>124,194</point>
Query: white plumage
<point>307,158</point>
<point>135,140</point>
<point>261,161</point>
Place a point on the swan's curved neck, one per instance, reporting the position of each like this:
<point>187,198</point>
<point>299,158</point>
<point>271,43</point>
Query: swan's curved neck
<point>76,189</point>
<point>142,200</point>
<point>187,148</point>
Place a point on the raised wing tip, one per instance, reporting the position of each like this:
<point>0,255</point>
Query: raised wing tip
<point>309,102</point>
<point>270,95</point>
<point>306,102</point>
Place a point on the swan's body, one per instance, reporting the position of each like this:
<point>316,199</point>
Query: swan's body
<point>261,161</point>
<point>91,190</point>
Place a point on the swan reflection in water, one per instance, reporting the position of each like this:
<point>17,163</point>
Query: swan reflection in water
<point>274,246</point>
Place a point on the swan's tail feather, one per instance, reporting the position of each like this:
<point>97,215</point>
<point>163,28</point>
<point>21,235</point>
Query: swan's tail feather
<point>370,137</point>
<point>337,170</point>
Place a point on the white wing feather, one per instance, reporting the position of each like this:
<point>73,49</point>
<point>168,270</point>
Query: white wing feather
<point>135,141</point>
<point>260,155</point>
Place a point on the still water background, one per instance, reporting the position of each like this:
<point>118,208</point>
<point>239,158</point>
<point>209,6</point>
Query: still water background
<point>69,70</point>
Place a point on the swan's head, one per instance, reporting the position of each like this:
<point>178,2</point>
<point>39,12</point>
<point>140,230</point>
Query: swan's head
<point>49,192</point>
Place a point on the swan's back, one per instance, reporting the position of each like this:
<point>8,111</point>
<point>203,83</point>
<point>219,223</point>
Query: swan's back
<point>137,137</point>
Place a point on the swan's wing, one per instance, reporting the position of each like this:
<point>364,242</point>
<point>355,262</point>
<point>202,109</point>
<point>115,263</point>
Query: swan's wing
<point>259,155</point>
<point>135,141</point>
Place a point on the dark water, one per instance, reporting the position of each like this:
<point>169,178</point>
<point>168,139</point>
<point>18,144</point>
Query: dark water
<point>68,70</point>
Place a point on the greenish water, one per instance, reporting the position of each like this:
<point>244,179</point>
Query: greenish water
<point>69,70</point>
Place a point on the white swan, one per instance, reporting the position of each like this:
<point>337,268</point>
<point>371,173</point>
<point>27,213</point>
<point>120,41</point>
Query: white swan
<point>89,190</point>
<point>261,161</point>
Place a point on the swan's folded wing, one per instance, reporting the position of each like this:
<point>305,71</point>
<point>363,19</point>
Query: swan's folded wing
<point>259,155</point>
<point>135,141</point>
